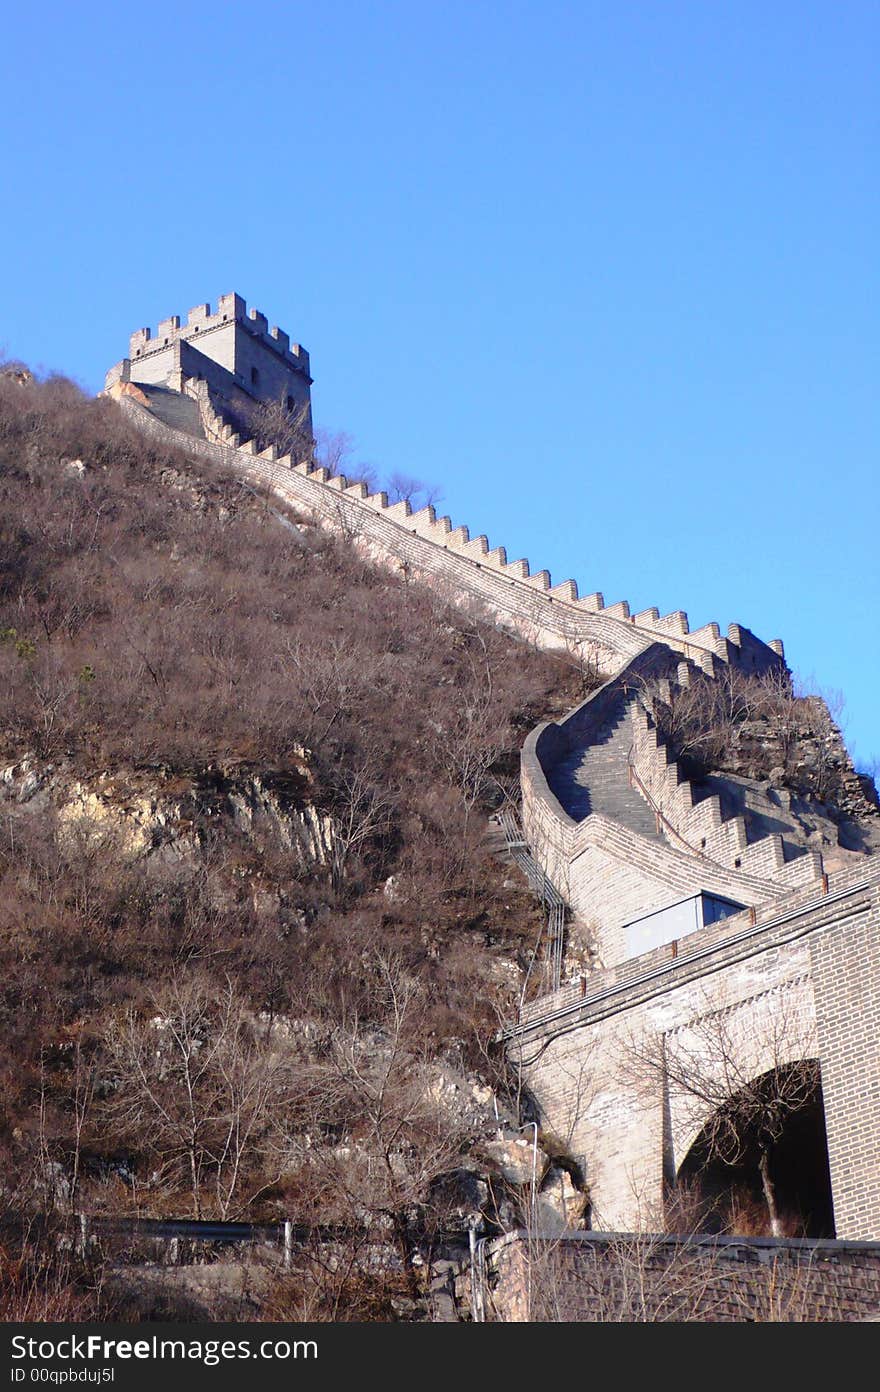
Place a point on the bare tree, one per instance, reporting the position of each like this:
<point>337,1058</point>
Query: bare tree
<point>652,1278</point>
<point>376,1135</point>
<point>282,424</point>
<point>405,488</point>
<point>363,810</point>
<point>334,680</point>
<point>470,737</point>
<point>334,451</point>
<point>735,1077</point>
<point>620,1279</point>
<point>754,723</point>
<point>195,1086</point>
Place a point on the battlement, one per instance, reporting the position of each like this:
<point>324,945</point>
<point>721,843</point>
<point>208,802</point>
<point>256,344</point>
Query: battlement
<point>231,310</point>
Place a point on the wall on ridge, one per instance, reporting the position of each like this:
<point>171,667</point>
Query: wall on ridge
<point>510,601</point>
<point>562,619</point>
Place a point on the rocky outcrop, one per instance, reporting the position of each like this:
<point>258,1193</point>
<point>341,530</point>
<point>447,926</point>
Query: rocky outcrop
<point>147,811</point>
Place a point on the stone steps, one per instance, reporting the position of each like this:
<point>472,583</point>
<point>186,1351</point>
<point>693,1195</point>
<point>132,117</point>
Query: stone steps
<point>595,778</point>
<point>179,412</point>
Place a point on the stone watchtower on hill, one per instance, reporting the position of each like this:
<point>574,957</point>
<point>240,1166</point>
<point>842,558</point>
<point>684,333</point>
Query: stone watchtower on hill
<point>234,352</point>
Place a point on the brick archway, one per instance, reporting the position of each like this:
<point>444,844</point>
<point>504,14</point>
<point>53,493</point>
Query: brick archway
<point>760,1165</point>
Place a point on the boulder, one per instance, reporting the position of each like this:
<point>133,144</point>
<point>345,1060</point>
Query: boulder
<point>559,1196</point>
<point>517,1159</point>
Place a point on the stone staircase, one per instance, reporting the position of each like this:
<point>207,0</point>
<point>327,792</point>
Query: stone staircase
<point>175,410</point>
<point>595,777</point>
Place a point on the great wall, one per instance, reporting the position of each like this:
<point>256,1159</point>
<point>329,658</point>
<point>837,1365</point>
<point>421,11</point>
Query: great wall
<point>776,936</point>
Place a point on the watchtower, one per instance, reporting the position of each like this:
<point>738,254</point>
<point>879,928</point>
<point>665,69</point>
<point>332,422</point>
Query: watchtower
<point>233,350</point>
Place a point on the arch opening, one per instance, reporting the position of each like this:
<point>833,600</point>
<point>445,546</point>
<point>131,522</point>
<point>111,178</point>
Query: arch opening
<point>759,1167</point>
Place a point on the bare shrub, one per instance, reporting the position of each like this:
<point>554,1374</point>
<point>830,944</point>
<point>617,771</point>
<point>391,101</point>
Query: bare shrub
<point>619,1278</point>
<point>280,423</point>
<point>754,724</point>
<point>165,647</point>
<point>334,451</point>
<point>195,1082</point>
<point>405,488</point>
<point>733,1080</point>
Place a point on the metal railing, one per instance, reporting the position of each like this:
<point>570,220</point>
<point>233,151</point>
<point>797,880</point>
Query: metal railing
<point>543,890</point>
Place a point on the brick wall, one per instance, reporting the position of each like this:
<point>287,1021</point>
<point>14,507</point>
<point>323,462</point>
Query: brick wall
<point>609,1278</point>
<point>845,963</point>
<point>609,875</point>
<point>551,615</point>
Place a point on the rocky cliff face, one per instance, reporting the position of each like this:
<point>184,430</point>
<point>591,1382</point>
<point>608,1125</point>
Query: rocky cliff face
<point>156,812</point>
<point>807,754</point>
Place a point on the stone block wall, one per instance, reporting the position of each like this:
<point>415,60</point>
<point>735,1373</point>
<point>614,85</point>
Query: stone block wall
<point>698,825</point>
<point>608,874</point>
<point>550,615</point>
<point>845,967</point>
<point>416,543</point>
<point>617,1277</point>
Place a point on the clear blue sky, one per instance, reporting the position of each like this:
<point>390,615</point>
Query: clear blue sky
<point>606,273</point>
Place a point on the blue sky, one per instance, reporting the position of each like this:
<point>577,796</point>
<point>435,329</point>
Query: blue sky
<point>605,273</point>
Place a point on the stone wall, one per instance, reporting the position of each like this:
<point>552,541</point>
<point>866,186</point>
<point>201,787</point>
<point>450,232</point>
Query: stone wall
<point>617,1277</point>
<point>609,875</point>
<point>845,968</point>
<point>417,544</point>
<point>553,616</point>
<point>694,822</point>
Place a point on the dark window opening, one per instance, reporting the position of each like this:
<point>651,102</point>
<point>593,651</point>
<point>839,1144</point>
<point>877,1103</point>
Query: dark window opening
<point>255,377</point>
<point>290,403</point>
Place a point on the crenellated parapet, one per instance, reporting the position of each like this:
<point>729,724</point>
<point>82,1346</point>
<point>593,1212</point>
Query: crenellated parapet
<point>607,869</point>
<point>231,310</point>
<point>555,616</point>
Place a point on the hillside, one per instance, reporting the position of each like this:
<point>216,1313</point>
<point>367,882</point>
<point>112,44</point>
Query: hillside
<point>270,950</point>
<point>245,778</point>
